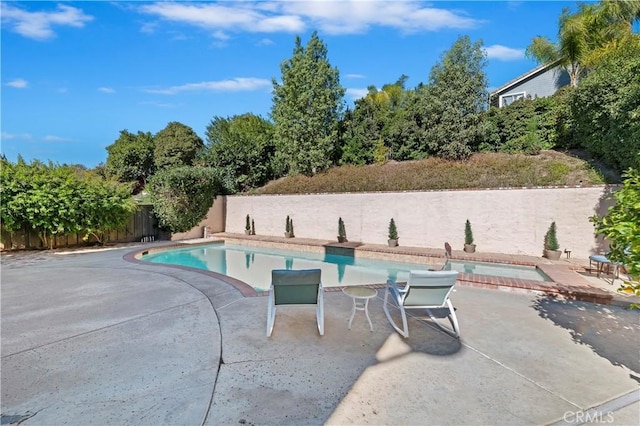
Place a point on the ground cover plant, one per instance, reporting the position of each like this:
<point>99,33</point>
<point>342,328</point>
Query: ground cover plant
<point>486,170</point>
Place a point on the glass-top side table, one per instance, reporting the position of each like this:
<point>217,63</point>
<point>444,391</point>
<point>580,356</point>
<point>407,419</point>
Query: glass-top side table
<point>360,296</point>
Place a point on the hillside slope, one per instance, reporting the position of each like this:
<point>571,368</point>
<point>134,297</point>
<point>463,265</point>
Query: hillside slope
<point>485,170</point>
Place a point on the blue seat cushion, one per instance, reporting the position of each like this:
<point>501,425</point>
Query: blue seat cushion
<point>599,258</point>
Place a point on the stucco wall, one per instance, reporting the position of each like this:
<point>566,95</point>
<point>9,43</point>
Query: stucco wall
<point>503,221</point>
<point>214,220</point>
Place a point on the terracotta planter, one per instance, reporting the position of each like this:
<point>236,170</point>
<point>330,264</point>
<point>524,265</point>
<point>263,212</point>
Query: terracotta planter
<point>392,243</point>
<point>342,239</point>
<point>288,234</point>
<point>470,248</point>
<point>552,254</point>
<point>247,232</point>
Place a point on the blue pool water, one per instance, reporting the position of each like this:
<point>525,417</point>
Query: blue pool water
<point>253,265</point>
<point>499,270</point>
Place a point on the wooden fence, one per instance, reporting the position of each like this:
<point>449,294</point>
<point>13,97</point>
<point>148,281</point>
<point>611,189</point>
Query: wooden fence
<point>141,225</point>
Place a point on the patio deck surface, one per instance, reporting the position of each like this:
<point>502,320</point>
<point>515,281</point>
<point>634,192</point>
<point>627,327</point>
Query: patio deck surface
<point>90,338</point>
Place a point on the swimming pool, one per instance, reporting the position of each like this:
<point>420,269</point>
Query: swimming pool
<point>253,265</point>
<point>497,269</point>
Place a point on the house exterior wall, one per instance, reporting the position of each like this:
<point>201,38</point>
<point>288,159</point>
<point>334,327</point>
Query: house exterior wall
<point>503,221</point>
<point>542,84</point>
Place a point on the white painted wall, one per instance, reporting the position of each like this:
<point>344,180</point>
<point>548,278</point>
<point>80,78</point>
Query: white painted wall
<point>503,221</point>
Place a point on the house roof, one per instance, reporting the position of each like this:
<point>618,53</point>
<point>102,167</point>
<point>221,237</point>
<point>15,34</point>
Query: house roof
<point>537,70</point>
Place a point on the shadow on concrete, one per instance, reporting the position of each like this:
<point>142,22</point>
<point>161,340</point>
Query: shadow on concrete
<point>610,331</point>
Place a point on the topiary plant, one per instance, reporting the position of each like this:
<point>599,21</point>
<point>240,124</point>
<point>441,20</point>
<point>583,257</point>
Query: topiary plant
<point>393,231</point>
<point>288,228</point>
<point>247,226</point>
<point>253,227</point>
<point>342,232</point>
<point>551,239</point>
<point>468,234</point>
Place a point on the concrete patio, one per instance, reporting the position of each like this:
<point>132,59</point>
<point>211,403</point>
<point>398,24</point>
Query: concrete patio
<point>88,338</point>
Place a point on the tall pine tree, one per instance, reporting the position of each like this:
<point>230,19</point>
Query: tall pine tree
<point>306,110</point>
<point>454,101</point>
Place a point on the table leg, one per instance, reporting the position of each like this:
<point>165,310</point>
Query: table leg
<point>366,312</point>
<point>353,312</point>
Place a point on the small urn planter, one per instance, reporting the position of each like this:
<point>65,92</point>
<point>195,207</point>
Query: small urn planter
<point>470,248</point>
<point>392,242</point>
<point>552,254</point>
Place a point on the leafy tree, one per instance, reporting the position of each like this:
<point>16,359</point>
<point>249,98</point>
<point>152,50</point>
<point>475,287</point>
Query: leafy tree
<point>105,206</point>
<point>182,196</point>
<point>453,103</point>
<point>369,128</point>
<point>621,227</point>
<point>605,109</point>
<point>243,146</point>
<point>306,109</point>
<point>130,157</point>
<point>60,200</point>
<point>585,36</point>
<point>526,125</point>
<point>176,145</point>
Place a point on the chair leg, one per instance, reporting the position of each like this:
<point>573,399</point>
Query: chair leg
<point>271,315</point>
<point>453,319</point>
<point>385,306</point>
<point>320,312</point>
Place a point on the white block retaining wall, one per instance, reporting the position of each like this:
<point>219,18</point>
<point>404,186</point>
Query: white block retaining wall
<point>510,221</point>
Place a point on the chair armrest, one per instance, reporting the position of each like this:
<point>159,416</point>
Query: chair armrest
<point>396,292</point>
<point>392,284</point>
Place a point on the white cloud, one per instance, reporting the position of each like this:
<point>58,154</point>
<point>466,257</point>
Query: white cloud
<point>355,94</point>
<point>52,138</point>
<point>221,17</point>
<point>106,90</point>
<point>266,42</point>
<point>503,53</point>
<point>330,17</point>
<point>18,83</point>
<point>39,25</point>
<point>354,76</point>
<point>234,85</point>
<point>149,27</point>
<point>160,104</point>
<point>13,136</point>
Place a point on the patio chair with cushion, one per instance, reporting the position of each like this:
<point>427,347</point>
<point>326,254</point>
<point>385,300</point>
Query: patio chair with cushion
<point>425,290</point>
<point>295,287</point>
<point>601,260</point>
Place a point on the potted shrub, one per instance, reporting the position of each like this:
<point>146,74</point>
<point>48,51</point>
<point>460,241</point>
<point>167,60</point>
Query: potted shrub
<point>247,226</point>
<point>253,227</point>
<point>551,246</point>
<point>288,228</point>
<point>342,232</point>
<point>393,234</point>
<point>469,247</point>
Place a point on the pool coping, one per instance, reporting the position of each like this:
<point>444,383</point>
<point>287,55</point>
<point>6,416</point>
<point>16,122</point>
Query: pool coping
<point>565,281</point>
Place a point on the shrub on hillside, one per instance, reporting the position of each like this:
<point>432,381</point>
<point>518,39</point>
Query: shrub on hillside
<point>480,171</point>
<point>605,108</point>
<point>182,196</point>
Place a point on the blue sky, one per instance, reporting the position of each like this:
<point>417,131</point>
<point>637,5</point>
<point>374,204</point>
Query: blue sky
<point>76,73</point>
